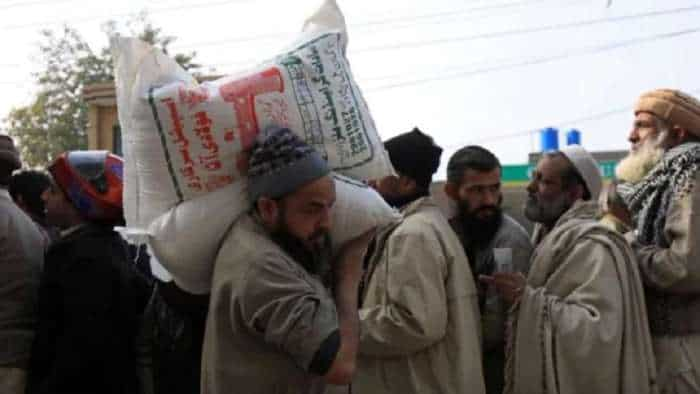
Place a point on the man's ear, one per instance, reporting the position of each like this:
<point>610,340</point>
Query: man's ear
<point>19,201</point>
<point>679,135</point>
<point>268,209</point>
<point>576,192</point>
<point>451,190</point>
<point>407,185</point>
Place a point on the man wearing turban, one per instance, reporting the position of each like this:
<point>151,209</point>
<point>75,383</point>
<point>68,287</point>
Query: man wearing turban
<point>662,171</point>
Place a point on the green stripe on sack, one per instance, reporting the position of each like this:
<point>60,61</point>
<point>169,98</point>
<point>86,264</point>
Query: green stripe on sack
<point>163,142</point>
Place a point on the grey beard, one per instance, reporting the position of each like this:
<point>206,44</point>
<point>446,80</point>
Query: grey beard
<point>546,213</point>
<point>637,165</point>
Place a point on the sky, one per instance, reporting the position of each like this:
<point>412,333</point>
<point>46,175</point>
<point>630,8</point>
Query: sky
<point>490,72</point>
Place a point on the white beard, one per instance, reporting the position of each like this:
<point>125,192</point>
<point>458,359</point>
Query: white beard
<point>637,164</point>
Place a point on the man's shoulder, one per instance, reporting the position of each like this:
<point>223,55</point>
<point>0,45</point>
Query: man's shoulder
<point>430,226</point>
<point>246,238</point>
<point>92,240</point>
<point>94,249</point>
<point>251,268</point>
<point>247,247</point>
<point>510,223</point>
<point>427,219</point>
<point>585,233</point>
<point>8,215</point>
<point>511,232</point>
<point>12,215</point>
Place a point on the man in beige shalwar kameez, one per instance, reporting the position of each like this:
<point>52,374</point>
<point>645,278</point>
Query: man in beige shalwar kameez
<point>419,316</point>
<point>578,322</point>
<point>274,326</point>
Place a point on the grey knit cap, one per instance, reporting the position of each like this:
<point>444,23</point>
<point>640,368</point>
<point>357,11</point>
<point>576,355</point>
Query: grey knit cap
<point>280,163</point>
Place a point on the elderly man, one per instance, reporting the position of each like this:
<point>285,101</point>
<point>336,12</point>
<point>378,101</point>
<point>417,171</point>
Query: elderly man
<point>419,317</point>
<point>663,170</point>
<point>492,240</point>
<point>274,326</point>
<point>579,320</point>
<point>21,257</point>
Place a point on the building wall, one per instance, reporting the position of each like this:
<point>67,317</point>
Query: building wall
<point>101,127</point>
<point>102,116</point>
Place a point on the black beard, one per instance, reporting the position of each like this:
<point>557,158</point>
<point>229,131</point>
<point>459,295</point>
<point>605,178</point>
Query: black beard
<point>479,232</point>
<point>316,261</point>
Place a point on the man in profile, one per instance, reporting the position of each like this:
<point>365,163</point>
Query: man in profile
<point>579,323</point>
<point>662,173</point>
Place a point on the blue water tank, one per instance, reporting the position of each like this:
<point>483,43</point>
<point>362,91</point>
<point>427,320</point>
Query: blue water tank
<point>549,138</point>
<point>573,137</point>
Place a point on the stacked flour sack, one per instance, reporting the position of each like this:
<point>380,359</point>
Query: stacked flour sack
<point>186,144</point>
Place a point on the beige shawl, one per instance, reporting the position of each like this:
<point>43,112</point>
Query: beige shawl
<point>581,325</point>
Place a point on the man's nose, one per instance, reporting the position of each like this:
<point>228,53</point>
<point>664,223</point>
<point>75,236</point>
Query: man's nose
<point>326,220</point>
<point>633,136</point>
<point>532,186</point>
<point>490,198</point>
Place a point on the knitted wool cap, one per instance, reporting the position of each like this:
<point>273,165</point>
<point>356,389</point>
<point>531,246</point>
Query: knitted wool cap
<point>280,163</point>
<point>586,166</point>
<point>673,106</point>
<point>414,154</point>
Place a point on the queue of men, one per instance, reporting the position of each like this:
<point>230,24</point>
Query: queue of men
<point>603,297</point>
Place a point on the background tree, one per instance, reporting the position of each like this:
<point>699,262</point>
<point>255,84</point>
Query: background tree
<point>56,119</point>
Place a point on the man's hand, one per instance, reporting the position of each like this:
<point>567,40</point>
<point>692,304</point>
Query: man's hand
<point>510,285</point>
<point>613,204</point>
<point>349,262</point>
<point>622,214</point>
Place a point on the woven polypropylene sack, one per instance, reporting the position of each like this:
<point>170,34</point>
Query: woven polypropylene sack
<point>183,139</point>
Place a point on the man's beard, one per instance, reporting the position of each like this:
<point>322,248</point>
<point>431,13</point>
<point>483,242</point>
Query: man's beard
<point>637,164</point>
<point>545,212</point>
<point>314,254</point>
<point>479,230</point>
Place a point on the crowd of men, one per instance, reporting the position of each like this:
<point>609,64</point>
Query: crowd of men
<point>603,297</point>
